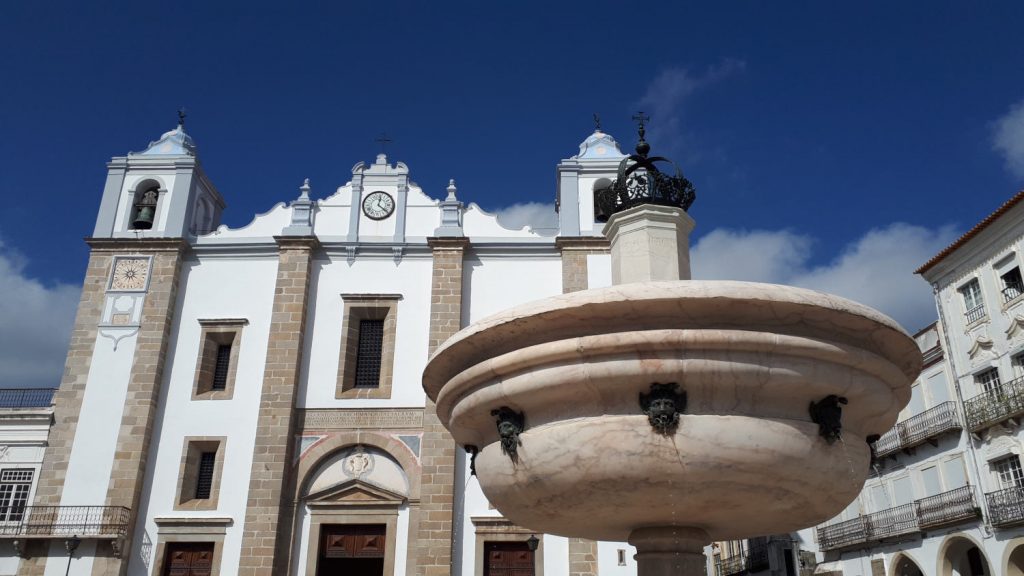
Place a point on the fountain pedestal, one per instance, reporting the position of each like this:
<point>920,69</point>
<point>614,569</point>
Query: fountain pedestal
<point>669,551</point>
<point>649,243</point>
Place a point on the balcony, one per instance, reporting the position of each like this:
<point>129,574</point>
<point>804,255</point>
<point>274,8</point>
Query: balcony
<point>60,521</point>
<point>975,314</point>
<point>952,507</point>
<point>1002,403</point>
<point>1013,290</point>
<point>924,427</point>
<point>753,559</point>
<point>1006,507</point>
<point>26,397</point>
<point>948,508</point>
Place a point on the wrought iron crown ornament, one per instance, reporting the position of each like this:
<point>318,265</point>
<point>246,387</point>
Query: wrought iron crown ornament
<point>639,182</point>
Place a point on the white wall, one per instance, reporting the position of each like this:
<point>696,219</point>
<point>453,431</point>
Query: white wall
<point>212,288</point>
<point>369,274</point>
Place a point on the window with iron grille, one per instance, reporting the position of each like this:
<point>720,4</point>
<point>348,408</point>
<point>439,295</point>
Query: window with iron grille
<point>204,476</point>
<point>368,353</point>
<point>988,381</point>
<point>1009,471</point>
<point>15,485</point>
<point>220,370</point>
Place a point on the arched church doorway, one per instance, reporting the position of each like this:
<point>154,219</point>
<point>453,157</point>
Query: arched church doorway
<point>962,557</point>
<point>354,500</point>
<point>906,567</point>
<point>1015,565</point>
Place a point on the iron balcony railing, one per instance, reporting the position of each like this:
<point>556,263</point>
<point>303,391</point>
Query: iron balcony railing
<point>994,406</point>
<point>976,313</point>
<point>918,429</point>
<point>950,507</point>
<point>731,565</point>
<point>1006,507</point>
<point>1012,291</point>
<point>26,397</point>
<point>81,521</point>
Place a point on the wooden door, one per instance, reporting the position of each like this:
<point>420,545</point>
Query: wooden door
<point>353,541</point>
<point>189,559</point>
<point>508,559</point>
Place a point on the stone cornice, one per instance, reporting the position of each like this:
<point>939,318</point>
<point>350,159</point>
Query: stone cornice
<point>292,242</point>
<point>583,243</point>
<point>138,244</point>
<point>450,243</point>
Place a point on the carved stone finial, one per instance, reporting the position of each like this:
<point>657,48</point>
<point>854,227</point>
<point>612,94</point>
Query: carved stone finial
<point>828,414</point>
<point>451,190</point>
<point>304,190</point>
<point>662,406</point>
<point>510,425</point>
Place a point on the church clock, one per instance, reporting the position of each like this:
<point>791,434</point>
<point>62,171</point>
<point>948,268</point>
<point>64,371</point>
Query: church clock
<point>378,205</point>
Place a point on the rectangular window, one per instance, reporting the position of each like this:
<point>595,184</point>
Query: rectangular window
<point>1013,285</point>
<point>953,472</point>
<point>1018,365</point>
<point>202,463</point>
<point>622,556</point>
<point>219,344</point>
<point>14,488</point>
<point>930,481</point>
<point>974,307</point>
<point>368,335</point>
<point>204,479</point>
<point>988,381</point>
<point>368,353</point>
<point>1009,472</point>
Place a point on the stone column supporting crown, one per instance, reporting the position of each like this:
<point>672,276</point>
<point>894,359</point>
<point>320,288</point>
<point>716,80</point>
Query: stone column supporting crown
<point>650,243</point>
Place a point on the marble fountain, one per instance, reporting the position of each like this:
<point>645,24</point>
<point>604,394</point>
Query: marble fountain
<point>670,412</point>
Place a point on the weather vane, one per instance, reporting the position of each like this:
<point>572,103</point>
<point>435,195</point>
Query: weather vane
<point>383,140</point>
<point>597,122</point>
<point>181,116</point>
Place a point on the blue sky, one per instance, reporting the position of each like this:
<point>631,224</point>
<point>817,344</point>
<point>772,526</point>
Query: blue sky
<point>819,135</point>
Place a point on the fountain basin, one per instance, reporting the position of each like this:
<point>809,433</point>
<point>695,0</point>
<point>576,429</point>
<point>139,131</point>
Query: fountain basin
<point>745,458</point>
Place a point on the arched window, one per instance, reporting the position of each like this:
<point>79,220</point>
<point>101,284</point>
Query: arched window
<point>144,207</point>
<point>600,184</point>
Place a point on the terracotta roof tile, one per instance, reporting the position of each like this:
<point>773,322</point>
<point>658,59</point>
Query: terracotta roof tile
<point>972,232</point>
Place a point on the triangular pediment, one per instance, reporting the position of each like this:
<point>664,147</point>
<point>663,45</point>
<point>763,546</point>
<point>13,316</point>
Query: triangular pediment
<point>355,492</point>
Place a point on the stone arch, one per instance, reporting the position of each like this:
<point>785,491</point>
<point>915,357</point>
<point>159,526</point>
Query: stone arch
<point>954,558</point>
<point>1013,557</point>
<point>311,460</point>
<point>903,564</point>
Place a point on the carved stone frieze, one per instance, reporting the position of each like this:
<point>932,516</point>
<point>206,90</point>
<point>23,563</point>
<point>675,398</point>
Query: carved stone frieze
<point>356,418</point>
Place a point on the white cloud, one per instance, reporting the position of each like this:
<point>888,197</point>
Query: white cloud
<point>1008,139</point>
<point>35,325</point>
<point>532,214</point>
<point>876,269</point>
<point>665,96</point>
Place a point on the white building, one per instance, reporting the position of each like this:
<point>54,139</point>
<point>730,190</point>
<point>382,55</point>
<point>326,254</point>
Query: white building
<point>25,418</point>
<point>248,401</point>
<point>947,493</point>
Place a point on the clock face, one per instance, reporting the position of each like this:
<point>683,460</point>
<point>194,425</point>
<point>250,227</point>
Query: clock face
<point>378,205</point>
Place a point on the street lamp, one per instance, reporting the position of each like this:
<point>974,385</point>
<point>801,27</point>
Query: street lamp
<point>532,542</point>
<point>71,544</point>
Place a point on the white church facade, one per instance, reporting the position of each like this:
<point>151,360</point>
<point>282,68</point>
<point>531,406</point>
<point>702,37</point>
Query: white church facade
<point>248,401</point>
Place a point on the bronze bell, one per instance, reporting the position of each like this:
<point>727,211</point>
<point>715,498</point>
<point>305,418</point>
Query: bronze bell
<point>145,208</point>
<point>143,218</point>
